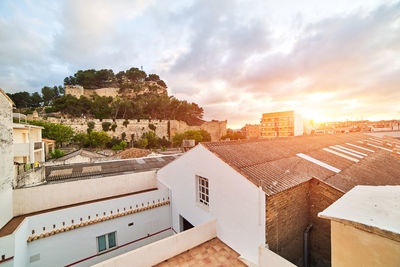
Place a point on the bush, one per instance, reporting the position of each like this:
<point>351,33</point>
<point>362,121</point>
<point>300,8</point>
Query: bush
<point>123,136</point>
<point>106,126</point>
<point>90,125</point>
<point>113,127</point>
<point>152,127</point>
<point>57,154</point>
<point>197,136</point>
<point>125,123</point>
<point>141,143</point>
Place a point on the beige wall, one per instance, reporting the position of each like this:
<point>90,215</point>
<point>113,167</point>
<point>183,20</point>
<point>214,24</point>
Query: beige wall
<point>164,249</point>
<point>354,247</point>
<point>27,200</point>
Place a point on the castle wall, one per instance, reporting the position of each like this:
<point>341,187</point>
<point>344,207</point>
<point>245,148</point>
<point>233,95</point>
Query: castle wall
<point>107,91</point>
<point>138,127</point>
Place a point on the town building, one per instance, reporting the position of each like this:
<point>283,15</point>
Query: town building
<point>86,213</point>
<point>253,202</point>
<point>251,131</point>
<point>28,144</point>
<point>6,159</point>
<point>272,190</point>
<point>365,227</point>
<point>281,124</point>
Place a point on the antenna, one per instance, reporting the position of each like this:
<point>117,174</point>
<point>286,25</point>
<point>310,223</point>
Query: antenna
<point>141,68</point>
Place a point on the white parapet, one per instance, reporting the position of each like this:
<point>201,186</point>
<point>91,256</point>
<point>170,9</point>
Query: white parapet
<point>164,249</point>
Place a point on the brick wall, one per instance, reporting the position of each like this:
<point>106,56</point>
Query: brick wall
<point>286,218</point>
<point>288,213</point>
<point>321,197</point>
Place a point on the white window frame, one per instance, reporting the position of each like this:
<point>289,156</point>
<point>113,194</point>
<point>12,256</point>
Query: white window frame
<point>203,191</point>
<point>107,242</point>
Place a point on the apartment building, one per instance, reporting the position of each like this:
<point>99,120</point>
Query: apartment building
<point>251,131</point>
<point>28,144</point>
<point>281,124</point>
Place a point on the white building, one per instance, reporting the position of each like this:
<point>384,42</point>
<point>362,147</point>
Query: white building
<point>86,214</point>
<point>6,159</point>
<point>28,144</point>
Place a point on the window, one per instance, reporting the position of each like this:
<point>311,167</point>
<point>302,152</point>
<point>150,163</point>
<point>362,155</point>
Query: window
<point>203,193</point>
<point>105,242</point>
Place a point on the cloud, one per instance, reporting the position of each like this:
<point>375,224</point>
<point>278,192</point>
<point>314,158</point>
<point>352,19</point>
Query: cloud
<point>236,60</point>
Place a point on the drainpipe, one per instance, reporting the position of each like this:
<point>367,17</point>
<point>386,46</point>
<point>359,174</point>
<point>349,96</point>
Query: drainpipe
<point>305,245</point>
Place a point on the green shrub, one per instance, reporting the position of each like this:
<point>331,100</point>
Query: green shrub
<point>57,154</point>
<point>106,126</point>
<point>113,127</point>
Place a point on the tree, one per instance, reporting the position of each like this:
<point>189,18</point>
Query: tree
<point>90,125</point>
<point>106,126</point>
<point>100,107</point>
<point>98,139</point>
<point>49,94</point>
<point>55,131</point>
<point>152,127</point>
<point>197,136</point>
<point>153,77</point>
<point>36,100</point>
<point>233,135</point>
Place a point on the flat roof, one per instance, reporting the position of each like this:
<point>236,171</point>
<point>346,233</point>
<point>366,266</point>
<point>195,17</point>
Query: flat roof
<point>23,126</point>
<point>371,206</point>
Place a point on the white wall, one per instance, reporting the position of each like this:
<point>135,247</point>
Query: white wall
<point>236,203</point>
<point>27,200</point>
<point>71,246</point>
<point>6,160</point>
<point>164,249</point>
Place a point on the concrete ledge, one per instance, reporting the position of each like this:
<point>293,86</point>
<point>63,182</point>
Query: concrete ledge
<point>164,249</point>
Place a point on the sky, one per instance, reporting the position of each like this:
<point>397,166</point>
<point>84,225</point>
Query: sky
<point>327,60</point>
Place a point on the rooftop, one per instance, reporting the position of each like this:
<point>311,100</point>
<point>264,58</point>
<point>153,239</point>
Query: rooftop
<point>80,171</point>
<point>342,160</point>
<point>211,253</point>
<point>371,206</point>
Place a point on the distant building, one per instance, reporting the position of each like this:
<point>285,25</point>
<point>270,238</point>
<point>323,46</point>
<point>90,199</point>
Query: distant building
<point>281,124</point>
<point>251,131</point>
<point>28,144</point>
<point>365,227</point>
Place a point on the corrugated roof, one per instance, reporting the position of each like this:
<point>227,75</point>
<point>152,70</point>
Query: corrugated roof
<point>275,165</point>
<point>79,171</point>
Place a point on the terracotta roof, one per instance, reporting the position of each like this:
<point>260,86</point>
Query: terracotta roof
<point>211,253</point>
<point>275,164</point>
<point>48,140</point>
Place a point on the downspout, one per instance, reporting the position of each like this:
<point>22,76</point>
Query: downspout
<point>305,245</point>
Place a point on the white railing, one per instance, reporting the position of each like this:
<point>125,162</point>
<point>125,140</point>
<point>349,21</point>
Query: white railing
<point>164,249</point>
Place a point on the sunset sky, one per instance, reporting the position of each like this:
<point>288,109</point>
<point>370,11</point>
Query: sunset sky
<point>328,61</point>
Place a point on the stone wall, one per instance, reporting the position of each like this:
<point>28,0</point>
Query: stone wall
<point>321,197</point>
<point>136,127</point>
<point>286,218</point>
<point>288,213</point>
<point>164,128</point>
